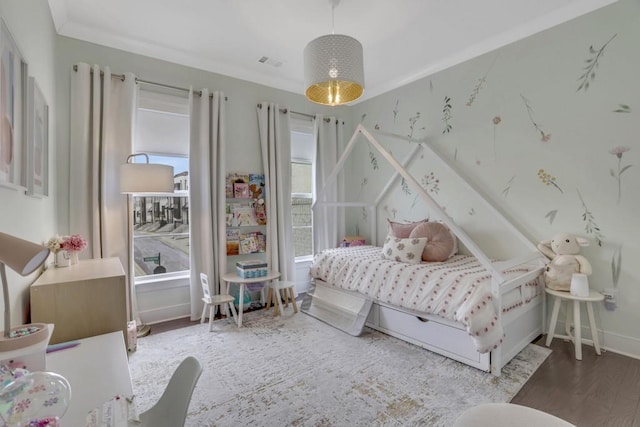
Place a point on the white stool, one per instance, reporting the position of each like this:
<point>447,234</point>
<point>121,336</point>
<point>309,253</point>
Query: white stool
<point>212,301</point>
<point>274,297</point>
<point>577,332</point>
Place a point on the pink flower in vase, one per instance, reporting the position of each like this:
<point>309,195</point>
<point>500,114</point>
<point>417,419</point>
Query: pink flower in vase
<point>74,243</point>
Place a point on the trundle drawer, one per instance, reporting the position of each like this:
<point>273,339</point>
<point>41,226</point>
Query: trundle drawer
<point>428,334</point>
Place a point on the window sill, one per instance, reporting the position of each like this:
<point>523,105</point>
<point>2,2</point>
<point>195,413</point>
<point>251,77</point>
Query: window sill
<point>148,280</point>
<point>302,259</point>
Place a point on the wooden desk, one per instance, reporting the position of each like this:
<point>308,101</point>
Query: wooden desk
<point>82,300</point>
<point>242,281</point>
<point>97,370</point>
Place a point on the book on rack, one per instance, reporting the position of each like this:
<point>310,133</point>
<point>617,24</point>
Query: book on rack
<point>244,216</point>
<point>251,243</point>
<point>233,242</point>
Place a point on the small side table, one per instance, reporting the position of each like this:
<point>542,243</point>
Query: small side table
<point>242,281</point>
<point>560,296</point>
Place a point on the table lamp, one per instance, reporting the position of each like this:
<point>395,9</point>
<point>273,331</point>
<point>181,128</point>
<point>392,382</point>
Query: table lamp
<point>24,257</point>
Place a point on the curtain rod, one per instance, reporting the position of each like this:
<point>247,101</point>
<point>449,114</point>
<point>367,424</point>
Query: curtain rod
<point>138,80</point>
<point>311,116</point>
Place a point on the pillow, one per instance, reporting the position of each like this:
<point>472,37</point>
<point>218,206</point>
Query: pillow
<point>441,243</point>
<point>402,230</point>
<point>403,250</point>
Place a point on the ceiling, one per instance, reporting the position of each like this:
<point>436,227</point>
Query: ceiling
<point>403,40</point>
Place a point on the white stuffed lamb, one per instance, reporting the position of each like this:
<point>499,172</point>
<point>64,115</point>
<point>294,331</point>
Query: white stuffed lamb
<point>563,250</point>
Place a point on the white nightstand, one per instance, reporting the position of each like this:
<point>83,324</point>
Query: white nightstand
<point>559,296</point>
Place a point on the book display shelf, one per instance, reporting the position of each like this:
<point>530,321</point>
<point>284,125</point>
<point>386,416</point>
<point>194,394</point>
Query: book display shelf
<point>245,217</point>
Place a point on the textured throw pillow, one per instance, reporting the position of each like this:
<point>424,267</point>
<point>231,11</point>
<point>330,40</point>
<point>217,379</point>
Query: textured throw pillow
<point>402,230</point>
<point>403,250</point>
<point>441,243</point>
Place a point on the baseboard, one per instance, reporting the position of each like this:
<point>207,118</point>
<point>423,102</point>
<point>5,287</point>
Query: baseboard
<point>610,341</point>
<point>163,314</point>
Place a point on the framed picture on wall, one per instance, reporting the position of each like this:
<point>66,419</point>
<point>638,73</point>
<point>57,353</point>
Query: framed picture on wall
<point>37,166</point>
<point>13,70</point>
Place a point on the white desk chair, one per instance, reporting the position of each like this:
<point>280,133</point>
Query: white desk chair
<point>212,301</point>
<point>171,409</point>
<point>507,415</point>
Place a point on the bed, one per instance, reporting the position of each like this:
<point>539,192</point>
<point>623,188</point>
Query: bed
<point>476,310</point>
<point>448,307</point>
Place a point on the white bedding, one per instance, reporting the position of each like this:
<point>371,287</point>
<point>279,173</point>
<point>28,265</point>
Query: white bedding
<point>458,289</point>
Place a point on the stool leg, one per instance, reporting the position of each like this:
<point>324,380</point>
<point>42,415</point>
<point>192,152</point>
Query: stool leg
<point>577,330</point>
<point>269,294</point>
<point>592,325</point>
<point>293,300</point>
<point>204,311</point>
<point>211,313</point>
<point>568,320</point>
<point>286,298</point>
<point>554,319</point>
<point>233,312</point>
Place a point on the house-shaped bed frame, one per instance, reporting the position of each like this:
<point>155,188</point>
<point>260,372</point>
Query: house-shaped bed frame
<point>349,311</point>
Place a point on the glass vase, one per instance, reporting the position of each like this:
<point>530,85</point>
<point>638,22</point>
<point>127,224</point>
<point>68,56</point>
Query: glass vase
<point>61,259</point>
<point>73,257</point>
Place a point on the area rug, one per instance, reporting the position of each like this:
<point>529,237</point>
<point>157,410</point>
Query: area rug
<point>295,370</point>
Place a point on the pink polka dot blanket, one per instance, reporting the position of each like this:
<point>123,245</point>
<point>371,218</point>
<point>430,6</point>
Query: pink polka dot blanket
<point>458,289</point>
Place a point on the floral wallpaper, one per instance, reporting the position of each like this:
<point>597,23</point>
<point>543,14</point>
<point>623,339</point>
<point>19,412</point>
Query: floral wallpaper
<point>545,128</point>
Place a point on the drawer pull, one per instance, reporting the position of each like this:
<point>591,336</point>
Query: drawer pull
<point>422,319</point>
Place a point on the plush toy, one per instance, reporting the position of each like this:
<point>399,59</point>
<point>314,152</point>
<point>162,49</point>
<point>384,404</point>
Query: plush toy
<point>563,250</point>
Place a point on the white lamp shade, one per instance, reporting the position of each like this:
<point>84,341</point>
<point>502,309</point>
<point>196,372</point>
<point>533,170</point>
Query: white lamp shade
<point>579,285</point>
<point>333,70</point>
<point>146,178</point>
<point>21,256</point>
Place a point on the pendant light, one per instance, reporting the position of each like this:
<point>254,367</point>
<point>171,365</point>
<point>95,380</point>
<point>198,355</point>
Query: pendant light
<point>333,68</point>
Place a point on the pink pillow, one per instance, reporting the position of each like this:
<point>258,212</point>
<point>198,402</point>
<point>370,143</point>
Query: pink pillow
<point>402,230</point>
<point>440,241</point>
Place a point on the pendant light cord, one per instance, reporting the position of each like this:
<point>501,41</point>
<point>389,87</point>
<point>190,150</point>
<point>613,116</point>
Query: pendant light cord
<point>333,3</point>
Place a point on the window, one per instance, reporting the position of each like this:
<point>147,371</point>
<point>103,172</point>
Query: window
<point>302,150</point>
<point>301,200</point>
<point>161,233</point>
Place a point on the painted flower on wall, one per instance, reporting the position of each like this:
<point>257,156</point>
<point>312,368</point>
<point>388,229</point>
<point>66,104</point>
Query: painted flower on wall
<point>589,70</point>
<point>548,179</point>
<point>618,152</point>
<point>544,137</point>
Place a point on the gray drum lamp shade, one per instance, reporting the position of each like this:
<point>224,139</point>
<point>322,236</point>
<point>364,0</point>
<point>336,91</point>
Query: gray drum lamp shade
<point>333,70</point>
<point>145,177</point>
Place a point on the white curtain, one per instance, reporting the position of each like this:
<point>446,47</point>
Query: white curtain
<point>101,138</point>
<point>206,192</point>
<point>328,224</point>
<point>275,139</point>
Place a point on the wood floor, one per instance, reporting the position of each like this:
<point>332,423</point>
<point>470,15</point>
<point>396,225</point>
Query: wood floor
<point>599,391</point>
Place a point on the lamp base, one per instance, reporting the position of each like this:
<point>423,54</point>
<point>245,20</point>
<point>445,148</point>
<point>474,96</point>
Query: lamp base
<point>24,336</point>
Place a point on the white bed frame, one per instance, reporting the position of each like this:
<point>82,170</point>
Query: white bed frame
<point>442,336</point>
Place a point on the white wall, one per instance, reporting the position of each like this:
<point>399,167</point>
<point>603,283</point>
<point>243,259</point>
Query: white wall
<point>20,215</point>
<point>504,158</point>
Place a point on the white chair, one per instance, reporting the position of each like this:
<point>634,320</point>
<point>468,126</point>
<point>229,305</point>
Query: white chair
<point>507,415</point>
<point>212,301</point>
<point>171,409</point>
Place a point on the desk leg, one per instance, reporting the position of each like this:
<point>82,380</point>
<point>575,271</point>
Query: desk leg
<point>594,331</point>
<point>577,329</point>
<point>240,304</point>
<point>554,319</point>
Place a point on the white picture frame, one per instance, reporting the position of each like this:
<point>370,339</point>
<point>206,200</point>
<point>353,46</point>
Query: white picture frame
<point>37,158</point>
<point>13,71</point>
